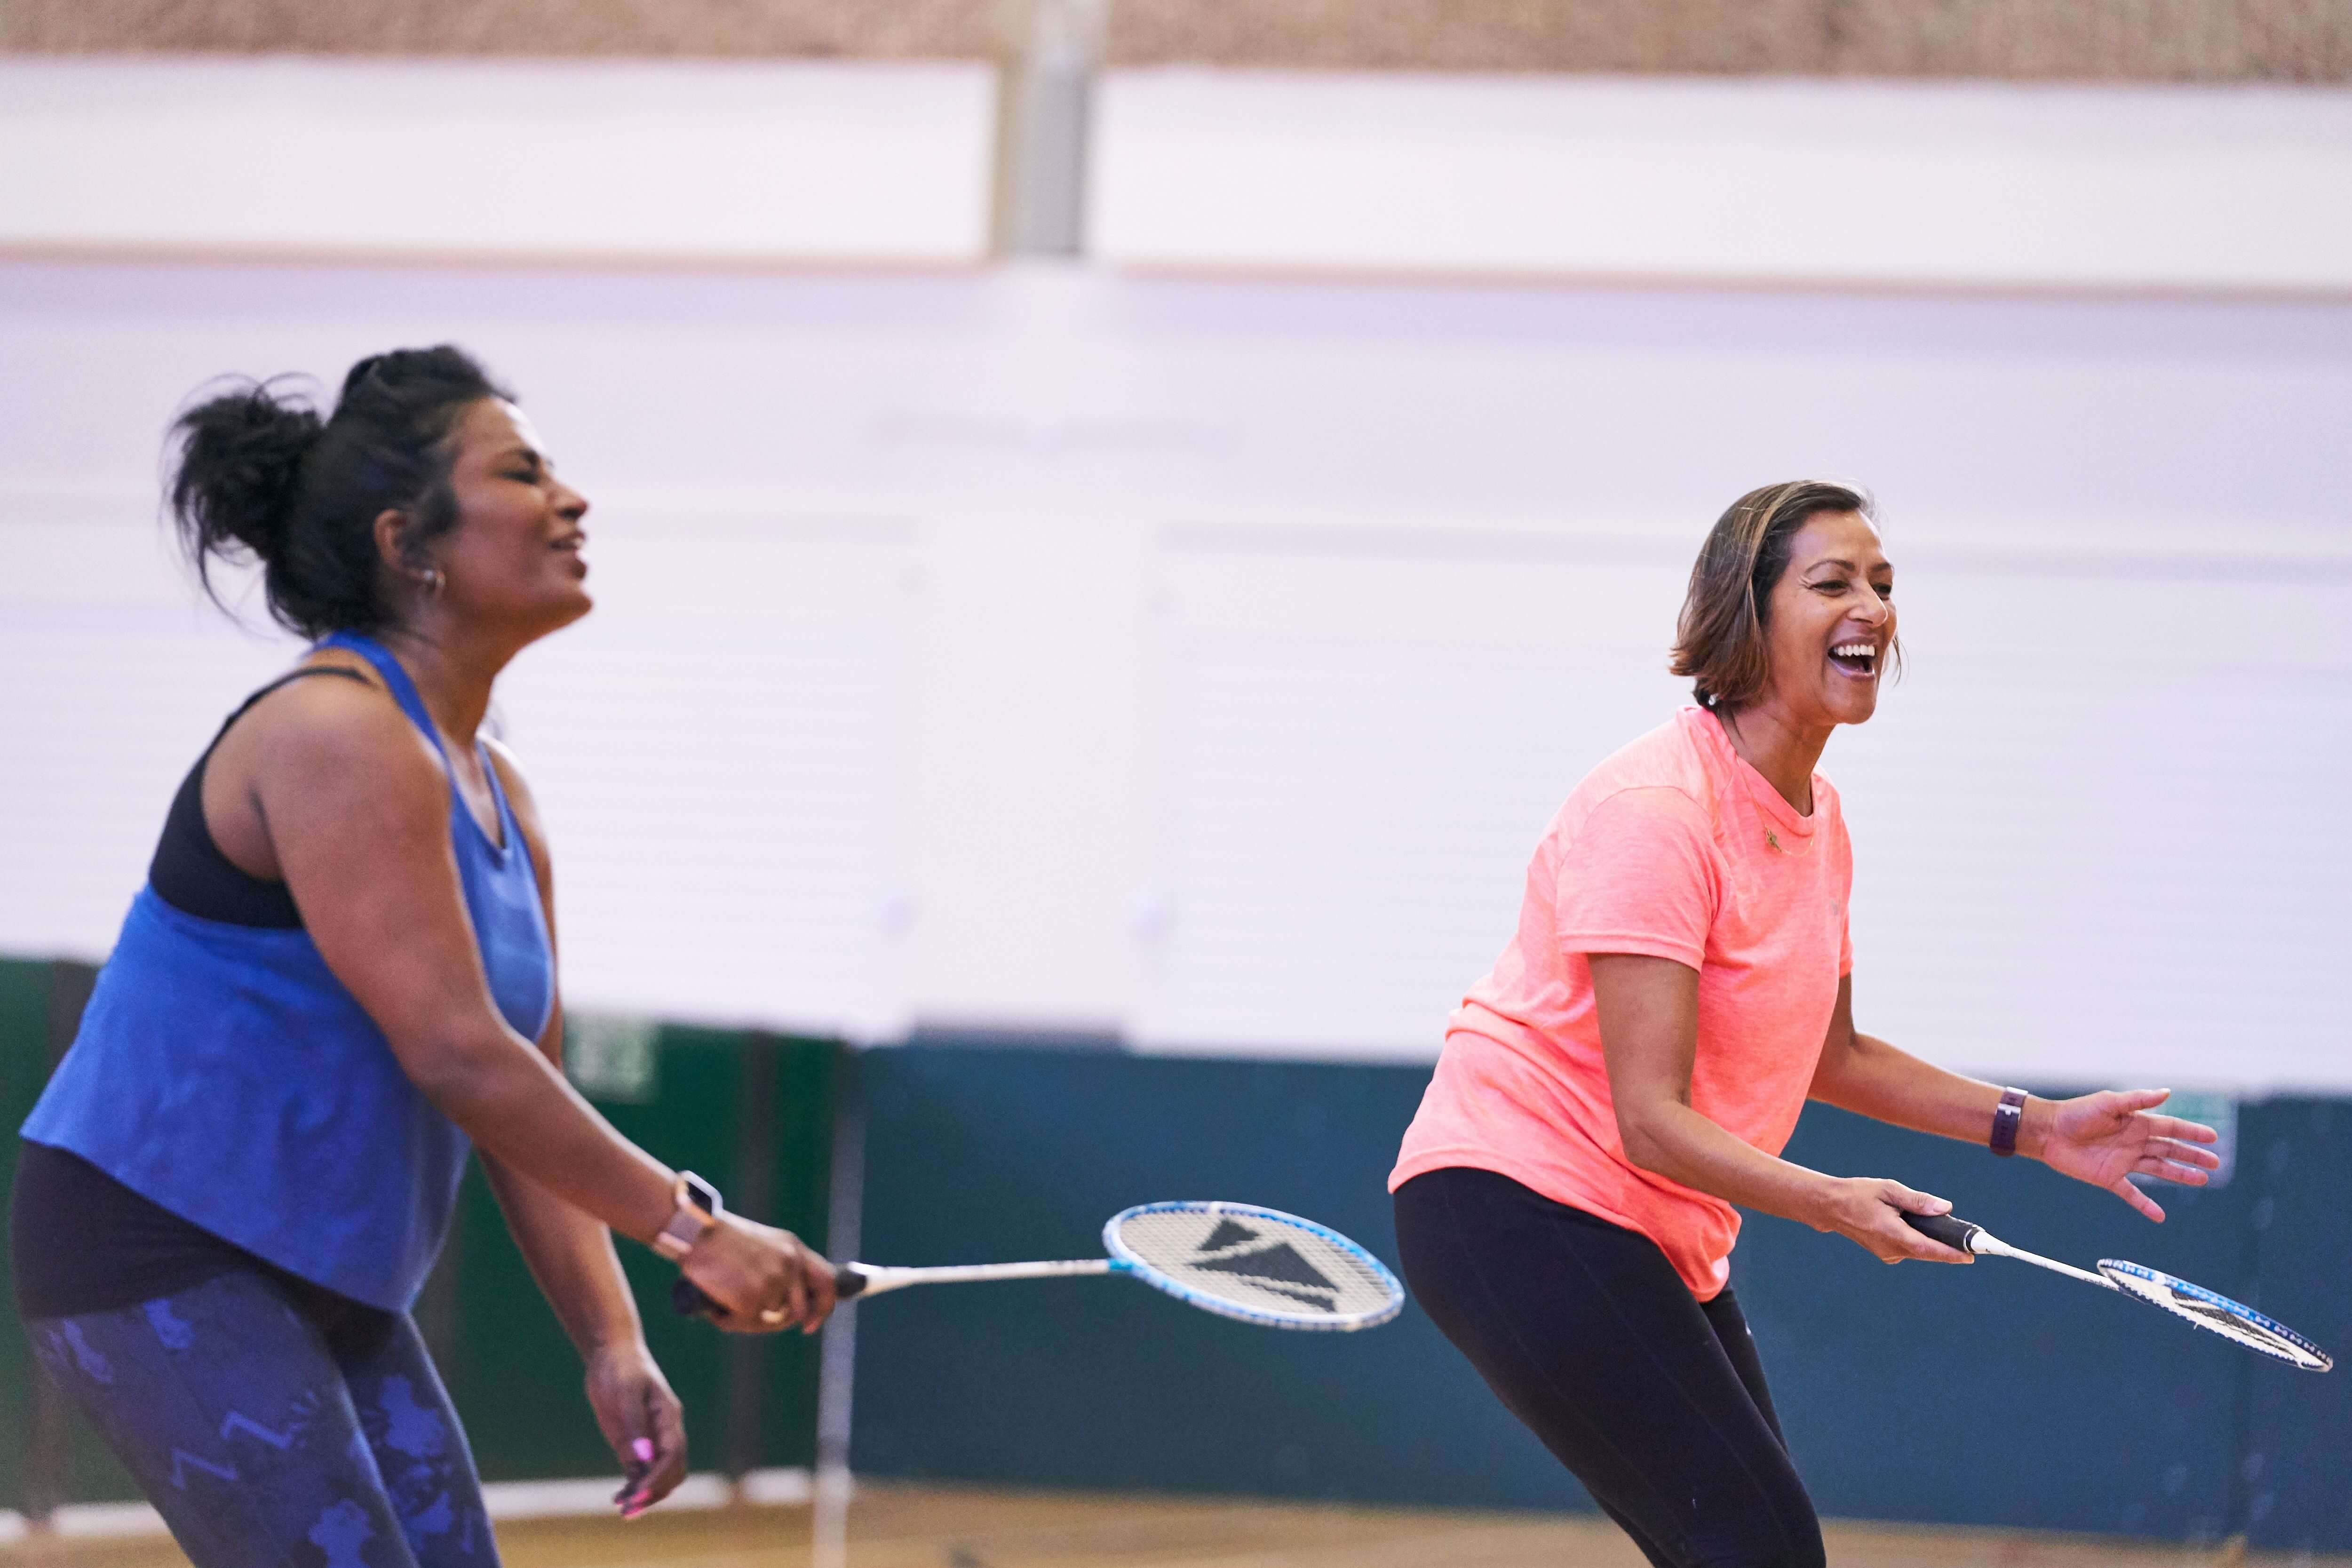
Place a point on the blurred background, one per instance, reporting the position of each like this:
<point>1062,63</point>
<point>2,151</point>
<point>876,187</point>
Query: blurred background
<point>1114,526</point>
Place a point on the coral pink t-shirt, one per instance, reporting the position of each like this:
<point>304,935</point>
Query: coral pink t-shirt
<point>1676,849</point>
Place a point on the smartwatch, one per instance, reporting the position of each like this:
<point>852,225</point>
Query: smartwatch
<point>699,1209</point>
<point>2007,1118</point>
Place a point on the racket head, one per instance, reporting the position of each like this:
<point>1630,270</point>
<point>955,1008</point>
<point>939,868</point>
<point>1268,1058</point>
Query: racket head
<point>2232,1319</point>
<point>1256,1265</point>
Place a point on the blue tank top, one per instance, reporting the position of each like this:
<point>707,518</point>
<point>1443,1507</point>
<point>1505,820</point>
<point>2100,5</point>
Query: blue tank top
<point>224,1073</point>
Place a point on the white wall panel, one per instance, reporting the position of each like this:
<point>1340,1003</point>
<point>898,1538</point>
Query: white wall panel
<point>1359,754</point>
<point>2092,825</point>
<point>1054,647</point>
<point>1881,183</point>
<point>114,674</point>
<point>693,161</point>
<point>721,752</point>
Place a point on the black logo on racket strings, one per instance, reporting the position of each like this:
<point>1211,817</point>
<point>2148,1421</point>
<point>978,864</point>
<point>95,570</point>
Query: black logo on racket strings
<point>1227,1234</point>
<point>1279,1269</point>
<point>2183,1302</point>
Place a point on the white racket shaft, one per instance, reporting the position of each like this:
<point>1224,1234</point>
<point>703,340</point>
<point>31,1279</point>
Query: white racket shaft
<point>1991,1246</point>
<point>867,1279</point>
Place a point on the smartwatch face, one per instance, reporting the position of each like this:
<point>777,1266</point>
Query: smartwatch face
<point>699,1193</point>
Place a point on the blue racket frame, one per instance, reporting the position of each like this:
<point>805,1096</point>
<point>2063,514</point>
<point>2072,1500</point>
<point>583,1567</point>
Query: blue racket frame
<point>1123,1262</point>
<point>2220,1302</point>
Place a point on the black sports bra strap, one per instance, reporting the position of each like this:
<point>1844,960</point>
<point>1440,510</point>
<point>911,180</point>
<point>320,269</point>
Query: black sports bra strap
<point>189,871</point>
<point>292,676</point>
<point>287,680</point>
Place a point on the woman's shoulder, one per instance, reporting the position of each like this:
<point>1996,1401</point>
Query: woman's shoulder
<point>342,715</point>
<point>1666,760</point>
<point>1657,779</point>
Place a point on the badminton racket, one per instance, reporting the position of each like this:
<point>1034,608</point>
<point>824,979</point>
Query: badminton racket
<point>1258,1265</point>
<point>2232,1319</point>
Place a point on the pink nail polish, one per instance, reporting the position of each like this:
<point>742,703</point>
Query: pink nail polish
<point>642,1447</point>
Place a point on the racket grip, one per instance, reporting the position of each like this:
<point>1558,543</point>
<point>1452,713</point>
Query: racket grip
<point>688,1300</point>
<point>1948,1228</point>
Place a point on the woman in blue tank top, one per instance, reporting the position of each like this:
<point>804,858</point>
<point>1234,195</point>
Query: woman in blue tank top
<point>339,978</point>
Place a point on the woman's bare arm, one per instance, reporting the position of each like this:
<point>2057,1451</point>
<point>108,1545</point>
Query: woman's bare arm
<point>1649,1037</point>
<point>1870,1077</point>
<point>2105,1138</point>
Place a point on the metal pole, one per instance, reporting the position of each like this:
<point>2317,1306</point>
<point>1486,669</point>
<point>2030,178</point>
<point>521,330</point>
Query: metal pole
<point>1044,115</point>
<point>751,1191</point>
<point>837,1348</point>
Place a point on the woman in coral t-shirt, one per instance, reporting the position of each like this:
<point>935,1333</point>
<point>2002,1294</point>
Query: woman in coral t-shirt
<point>1678,988</point>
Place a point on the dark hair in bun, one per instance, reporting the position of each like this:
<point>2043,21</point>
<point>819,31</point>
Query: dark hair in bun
<point>260,476</point>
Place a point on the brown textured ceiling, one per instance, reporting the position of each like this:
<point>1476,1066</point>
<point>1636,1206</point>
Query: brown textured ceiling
<point>870,30</point>
<point>2093,40</point>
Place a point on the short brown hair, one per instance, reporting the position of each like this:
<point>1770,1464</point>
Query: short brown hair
<point>1719,640</point>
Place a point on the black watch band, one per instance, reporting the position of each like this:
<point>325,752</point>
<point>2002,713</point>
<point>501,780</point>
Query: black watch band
<point>2007,1118</point>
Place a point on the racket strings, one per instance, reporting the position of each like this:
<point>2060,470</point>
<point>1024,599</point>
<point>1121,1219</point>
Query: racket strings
<point>1258,1261</point>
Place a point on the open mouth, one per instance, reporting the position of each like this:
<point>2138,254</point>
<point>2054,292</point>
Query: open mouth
<point>1855,658</point>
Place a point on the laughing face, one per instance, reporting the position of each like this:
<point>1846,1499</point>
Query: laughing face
<point>1831,622</point>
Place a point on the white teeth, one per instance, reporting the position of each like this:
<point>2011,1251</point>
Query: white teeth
<point>1854,650</point>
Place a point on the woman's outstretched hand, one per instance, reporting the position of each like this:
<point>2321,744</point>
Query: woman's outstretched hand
<point>2108,1138</point>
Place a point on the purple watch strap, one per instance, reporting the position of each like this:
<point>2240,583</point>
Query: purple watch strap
<point>2007,1118</point>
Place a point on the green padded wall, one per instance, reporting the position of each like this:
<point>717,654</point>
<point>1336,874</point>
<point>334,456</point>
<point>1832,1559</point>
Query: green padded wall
<point>974,1155</point>
<point>34,998</point>
<point>2295,1472</point>
<point>1995,1394</point>
<point>23,1028</point>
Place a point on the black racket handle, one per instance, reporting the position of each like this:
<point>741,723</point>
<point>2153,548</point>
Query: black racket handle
<point>1948,1228</point>
<point>688,1300</point>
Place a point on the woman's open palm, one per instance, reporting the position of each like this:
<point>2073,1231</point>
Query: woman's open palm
<point>2108,1138</point>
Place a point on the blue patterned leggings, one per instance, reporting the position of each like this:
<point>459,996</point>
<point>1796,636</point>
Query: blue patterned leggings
<point>272,1429</point>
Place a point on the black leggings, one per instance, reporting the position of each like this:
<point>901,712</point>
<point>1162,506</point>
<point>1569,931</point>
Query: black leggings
<point>1654,1399</point>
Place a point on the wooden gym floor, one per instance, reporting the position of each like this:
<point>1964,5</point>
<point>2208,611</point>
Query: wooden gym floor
<point>896,1526</point>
